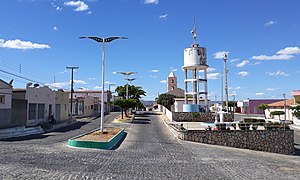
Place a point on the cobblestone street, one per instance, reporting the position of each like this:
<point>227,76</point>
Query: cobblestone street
<point>149,151</point>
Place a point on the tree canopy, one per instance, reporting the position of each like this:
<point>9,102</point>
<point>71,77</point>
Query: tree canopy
<point>125,104</point>
<point>134,92</point>
<point>166,100</point>
<point>263,107</point>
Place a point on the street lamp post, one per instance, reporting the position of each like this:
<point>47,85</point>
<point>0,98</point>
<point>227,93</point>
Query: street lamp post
<point>109,97</point>
<point>226,82</point>
<point>127,74</point>
<point>103,41</point>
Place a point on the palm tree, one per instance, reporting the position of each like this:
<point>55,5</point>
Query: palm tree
<point>263,107</point>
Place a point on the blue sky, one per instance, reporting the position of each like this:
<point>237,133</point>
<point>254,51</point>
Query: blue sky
<point>260,37</point>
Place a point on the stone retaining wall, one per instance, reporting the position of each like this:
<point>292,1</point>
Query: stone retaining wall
<point>198,117</point>
<point>275,141</point>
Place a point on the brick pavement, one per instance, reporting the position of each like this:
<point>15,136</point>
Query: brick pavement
<point>149,151</point>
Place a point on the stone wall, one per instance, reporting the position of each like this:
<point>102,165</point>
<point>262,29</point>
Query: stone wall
<point>275,141</point>
<point>198,117</point>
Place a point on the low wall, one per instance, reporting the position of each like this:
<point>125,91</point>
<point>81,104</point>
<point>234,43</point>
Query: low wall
<point>198,117</point>
<point>275,141</point>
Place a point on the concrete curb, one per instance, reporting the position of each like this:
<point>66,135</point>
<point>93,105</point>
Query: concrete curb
<point>96,145</point>
<point>177,135</point>
<point>295,127</point>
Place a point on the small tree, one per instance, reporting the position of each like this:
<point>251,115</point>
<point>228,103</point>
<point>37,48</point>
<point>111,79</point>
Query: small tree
<point>263,107</point>
<point>125,104</point>
<point>166,100</point>
<point>296,111</point>
<point>277,113</point>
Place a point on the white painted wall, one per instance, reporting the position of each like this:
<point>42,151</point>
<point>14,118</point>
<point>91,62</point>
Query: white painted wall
<point>6,91</point>
<point>289,115</point>
<point>40,95</point>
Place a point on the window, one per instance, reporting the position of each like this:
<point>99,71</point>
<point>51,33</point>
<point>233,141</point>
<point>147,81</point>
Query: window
<point>172,80</point>
<point>65,107</point>
<point>92,106</point>
<point>2,99</point>
<point>41,111</point>
<point>32,111</point>
<point>172,88</point>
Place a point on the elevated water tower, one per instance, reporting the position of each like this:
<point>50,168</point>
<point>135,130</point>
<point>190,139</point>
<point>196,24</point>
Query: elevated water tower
<point>195,76</point>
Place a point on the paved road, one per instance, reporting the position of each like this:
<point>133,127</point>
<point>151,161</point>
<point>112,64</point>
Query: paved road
<point>149,151</point>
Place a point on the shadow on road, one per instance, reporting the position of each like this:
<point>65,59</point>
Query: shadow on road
<point>71,127</point>
<point>25,138</point>
<point>120,142</point>
<point>297,152</point>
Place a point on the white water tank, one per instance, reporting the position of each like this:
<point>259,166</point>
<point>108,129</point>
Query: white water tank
<point>194,56</point>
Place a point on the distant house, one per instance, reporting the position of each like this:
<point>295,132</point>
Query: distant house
<point>250,106</point>
<point>39,106</point>
<point>86,103</point>
<point>279,106</point>
<point>5,104</point>
<point>61,105</point>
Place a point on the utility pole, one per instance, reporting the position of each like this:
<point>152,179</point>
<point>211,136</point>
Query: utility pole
<point>233,105</point>
<point>72,89</point>
<point>284,107</point>
<point>225,78</point>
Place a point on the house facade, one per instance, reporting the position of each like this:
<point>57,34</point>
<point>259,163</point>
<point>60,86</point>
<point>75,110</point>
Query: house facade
<point>40,103</point>
<point>250,106</point>
<point>279,106</point>
<point>88,102</point>
<point>61,105</point>
<point>5,104</point>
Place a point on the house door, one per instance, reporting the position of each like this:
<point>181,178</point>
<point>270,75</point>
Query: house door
<point>57,112</point>
<point>50,110</point>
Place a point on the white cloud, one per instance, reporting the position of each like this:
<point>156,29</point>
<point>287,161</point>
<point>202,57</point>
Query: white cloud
<point>79,82</point>
<point>79,5</point>
<point>108,82</point>
<point>65,71</point>
<point>90,12</point>
<point>58,8</point>
<point>270,89</point>
<point>163,16</point>
<point>173,69</point>
<point>164,81</point>
<point>243,63</point>
<point>151,2</point>
<point>234,60</point>
<point>289,50</point>
<point>213,76</point>
<point>54,28</point>
<point>24,45</point>
<point>220,54</point>
<point>257,63</point>
<point>153,76</point>
<point>97,87</point>
<point>269,23</point>
<point>91,78</point>
<point>154,70</point>
<point>277,73</point>
<point>283,54</point>
<point>59,85</point>
<point>243,73</point>
<point>273,57</point>
<point>210,69</point>
<point>115,72</point>
<point>259,94</point>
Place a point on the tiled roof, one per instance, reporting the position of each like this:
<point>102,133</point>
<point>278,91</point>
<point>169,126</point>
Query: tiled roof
<point>289,102</point>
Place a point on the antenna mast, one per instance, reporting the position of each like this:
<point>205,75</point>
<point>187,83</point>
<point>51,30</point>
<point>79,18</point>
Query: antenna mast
<point>194,31</point>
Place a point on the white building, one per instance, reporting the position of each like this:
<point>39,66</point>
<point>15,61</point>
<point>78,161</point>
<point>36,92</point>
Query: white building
<point>5,104</point>
<point>40,103</point>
